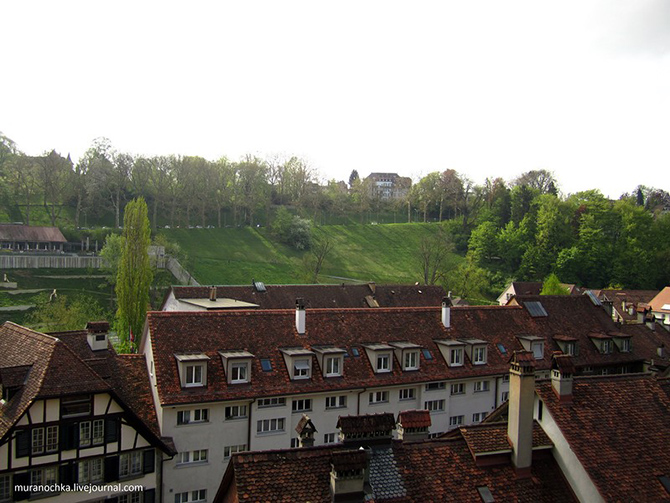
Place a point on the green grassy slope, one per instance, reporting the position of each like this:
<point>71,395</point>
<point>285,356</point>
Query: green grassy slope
<point>382,253</point>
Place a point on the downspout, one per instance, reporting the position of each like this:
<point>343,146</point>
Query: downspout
<point>358,401</point>
<point>496,398</point>
<point>250,422</point>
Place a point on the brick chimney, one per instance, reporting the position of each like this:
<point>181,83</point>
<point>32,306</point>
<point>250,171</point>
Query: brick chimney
<point>300,315</point>
<point>306,431</point>
<point>96,335</point>
<point>562,370</point>
<point>366,430</point>
<point>520,417</point>
<point>446,311</point>
<point>348,475</point>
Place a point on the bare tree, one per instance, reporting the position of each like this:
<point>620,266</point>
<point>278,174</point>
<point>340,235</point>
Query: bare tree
<point>433,253</point>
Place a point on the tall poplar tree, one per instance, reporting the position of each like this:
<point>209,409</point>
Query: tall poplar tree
<point>135,274</point>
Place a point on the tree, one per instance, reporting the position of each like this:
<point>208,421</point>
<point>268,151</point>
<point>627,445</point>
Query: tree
<point>484,243</point>
<point>541,180</point>
<point>54,176</point>
<point>320,249</point>
<point>112,252</point>
<point>552,286</point>
<point>135,273</point>
<point>61,313</point>
<point>433,253</point>
<point>352,178</point>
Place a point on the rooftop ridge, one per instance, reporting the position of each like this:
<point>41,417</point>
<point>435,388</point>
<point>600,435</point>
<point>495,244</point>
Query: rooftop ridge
<point>32,333</point>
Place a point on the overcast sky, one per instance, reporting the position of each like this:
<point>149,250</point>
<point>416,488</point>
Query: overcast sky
<point>580,88</point>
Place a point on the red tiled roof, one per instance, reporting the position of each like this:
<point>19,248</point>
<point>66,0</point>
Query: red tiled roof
<point>366,424</point>
<point>634,298</point>
<point>435,470</point>
<point>489,438</point>
<point>626,448</point>
<point>322,296</point>
<point>349,460</point>
<point>9,232</point>
<point>414,419</point>
<point>662,299</point>
<point>563,363</point>
<point>263,332</point>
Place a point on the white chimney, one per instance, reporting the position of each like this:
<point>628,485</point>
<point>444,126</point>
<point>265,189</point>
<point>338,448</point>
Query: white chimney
<point>300,315</point>
<point>96,335</point>
<point>562,370</point>
<point>520,417</point>
<point>446,311</point>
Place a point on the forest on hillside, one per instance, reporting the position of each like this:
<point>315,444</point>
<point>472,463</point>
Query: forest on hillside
<point>522,228</point>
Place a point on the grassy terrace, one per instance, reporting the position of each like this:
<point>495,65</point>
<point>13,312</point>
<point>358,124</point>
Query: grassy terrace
<point>382,253</point>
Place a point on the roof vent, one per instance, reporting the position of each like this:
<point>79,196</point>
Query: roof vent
<point>259,286</point>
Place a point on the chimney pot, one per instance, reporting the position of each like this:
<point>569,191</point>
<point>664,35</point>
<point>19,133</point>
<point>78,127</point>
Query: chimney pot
<point>446,312</point>
<point>300,315</point>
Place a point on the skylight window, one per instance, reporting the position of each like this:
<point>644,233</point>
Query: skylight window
<point>502,348</point>
<point>355,352</point>
<point>266,365</point>
<point>427,354</point>
<point>535,309</point>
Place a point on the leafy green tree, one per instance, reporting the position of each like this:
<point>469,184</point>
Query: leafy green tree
<point>111,253</point>
<point>552,286</point>
<point>62,313</point>
<point>135,273</point>
<point>483,244</point>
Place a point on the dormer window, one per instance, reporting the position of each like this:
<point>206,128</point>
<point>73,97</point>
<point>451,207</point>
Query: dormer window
<point>407,354</point>
<point>453,352</point>
<point>192,370</point>
<point>603,343</point>
<point>411,361</point>
<point>299,362</point>
<point>533,344</point>
<point>237,365</point>
<point>625,346</point>
<point>567,344</point>
<point>479,355</point>
<point>606,346</point>
<point>622,341</point>
<point>331,360</point>
<point>381,357</point>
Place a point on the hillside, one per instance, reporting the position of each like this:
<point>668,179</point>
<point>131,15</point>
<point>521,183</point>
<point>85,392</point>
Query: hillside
<point>382,253</point>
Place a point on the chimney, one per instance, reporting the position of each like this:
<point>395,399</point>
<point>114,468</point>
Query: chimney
<point>306,431</point>
<point>300,315</point>
<point>348,475</point>
<point>520,417</point>
<point>96,335</point>
<point>660,351</point>
<point>446,311</point>
<point>562,370</point>
<point>367,430</point>
<point>413,425</point>
<point>212,293</point>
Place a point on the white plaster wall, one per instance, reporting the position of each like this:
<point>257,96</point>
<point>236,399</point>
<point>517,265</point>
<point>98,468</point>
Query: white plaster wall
<point>567,460</point>
<point>3,455</point>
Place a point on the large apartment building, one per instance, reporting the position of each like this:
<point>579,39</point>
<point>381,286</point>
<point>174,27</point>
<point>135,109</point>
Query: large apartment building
<point>77,421</point>
<point>232,381</point>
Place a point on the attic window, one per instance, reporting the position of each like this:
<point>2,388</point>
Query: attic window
<point>355,352</point>
<point>75,406</point>
<point>501,348</point>
<point>266,365</point>
<point>536,309</point>
<point>427,354</point>
<point>301,369</point>
<point>192,369</point>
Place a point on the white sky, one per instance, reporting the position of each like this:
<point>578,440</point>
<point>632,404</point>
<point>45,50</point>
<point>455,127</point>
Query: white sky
<point>488,88</point>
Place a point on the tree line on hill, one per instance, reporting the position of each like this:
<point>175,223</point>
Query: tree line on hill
<point>522,228</point>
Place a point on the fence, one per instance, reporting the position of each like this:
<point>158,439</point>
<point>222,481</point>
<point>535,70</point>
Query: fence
<point>49,262</point>
<point>182,275</point>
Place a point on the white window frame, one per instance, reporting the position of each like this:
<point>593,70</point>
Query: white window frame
<point>229,450</point>
<point>479,355</point>
<point>570,347</point>
<point>91,471</point>
<point>264,403</point>
<point>130,464</point>
<point>378,397</point>
<point>98,432</point>
<point>625,345</point>
<point>482,386</point>
<point>504,396</point>
<point>301,405</point>
<point>270,426</point>
<point>329,438</point>
<point>606,346</point>
<point>434,405</point>
<point>239,372</point>
<point>197,496</point>
<point>232,412</point>
<point>37,441</point>
<point>478,417</point>
<point>456,420</point>
<point>302,368</point>
<point>537,347</point>
<point>411,360</point>
<point>5,488</point>
<point>457,388</point>
<point>199,456</point>
<point>336,402</point>
<point>333,366</point>
<point>456,357</point>
<point>407,394</point>
<point>192,377</point>
<point>383,362</point>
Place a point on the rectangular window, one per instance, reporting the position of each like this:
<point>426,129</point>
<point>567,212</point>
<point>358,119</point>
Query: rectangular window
<point>456,420</point>
<point>5,488</point>
<point>329,438</point>
<point>236,412</point>
<point>193,416</point>
<point>407,394</point>
<point>270,425</point>
<point>301,369</point>
<point>570,348</point>
<point>75,406</point>
<point>504,396</point>
<point>433,386</point>
<point>90,471</point>
<point>384,362</point>
<point>190,457</point>
<point>434,405</point>
<point>194,375</point>
<point>302,405</point>
<point>37,441</point>
<point>505,378</point>
<point>333,366</point>
<point>239,373</point>
<point>458,388</point>
<point>607,347</point>
<point>43,476</point>
<point>295,443</point>
<point>191,496</point>
<point>479,356</point>
<point>98,431</point>
<point>538,350</point>
<point>84,434</point>
<point>266,365</point>
<point>481,386</point>
<point>271,402</point>
<point>625,345</point>
<point>456,357</point>
<point>229,450</point>
<point>130,464</point>
<point>478,417</point>
<point>336,402</point>
<point>379,397</point>
<point>52,438</point>
<point>411,360</point>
